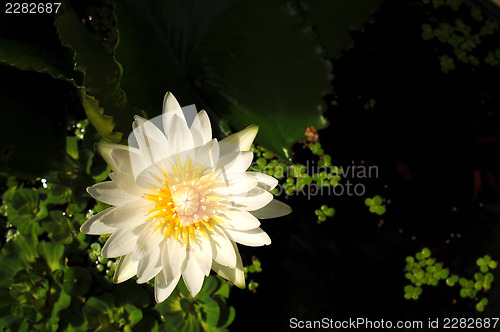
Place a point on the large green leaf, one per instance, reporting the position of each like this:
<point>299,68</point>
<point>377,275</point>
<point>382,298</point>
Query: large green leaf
<point>77,281</point>
<point>249,62</point>
<point>12,260</point>
<point>63,301</point>
<point>32,130</point>
<point>30,42</point>
<point>25,56</point>
<point>334,19</point>
<point>103,123</point>
<point>53,253</point>
<point>134,314</point>
<point>97,74</point>
<point>96,309</point>
<point>102,91</point>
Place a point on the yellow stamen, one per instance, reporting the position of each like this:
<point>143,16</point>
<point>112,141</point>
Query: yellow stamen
<point>185,210</point>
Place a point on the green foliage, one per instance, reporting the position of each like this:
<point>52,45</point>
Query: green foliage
<point>42,220</point>
<point>208,311</point>
<point>222,61</point>
<point>453,4</point>
<point>102,263</point>
<point>376,204</point>
<point>101,313</point>
<point>52,277</point>
<point>295,177</point>
<point>102,77</point>
<point>370,104</point>
<point>335,18</point>
<point>447,64</point>
<point>39,52</point>
<point>226,60</point>
<point>422,269</point>
<point>95,70</point>
<point>255,267</point>
<point>325,175</point>
<point>462,38</point>
<point>324,212</point>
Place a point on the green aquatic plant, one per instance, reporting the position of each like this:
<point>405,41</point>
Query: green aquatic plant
<point>54,278</point>
<point>370,104</point>
<point>422,269</point>
<point>324,212</point>
<point>255,267</point>
<point>376,204</point>
<point>296,178</point>
<point>462,39</point>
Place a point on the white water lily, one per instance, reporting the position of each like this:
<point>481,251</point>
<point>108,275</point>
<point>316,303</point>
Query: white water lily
<point>181,201</point>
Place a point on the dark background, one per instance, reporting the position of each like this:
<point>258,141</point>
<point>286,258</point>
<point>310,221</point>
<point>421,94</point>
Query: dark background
<point>434,140</point>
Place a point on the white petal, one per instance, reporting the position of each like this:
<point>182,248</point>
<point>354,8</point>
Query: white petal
<point>148,241</point>
<point>266,182</point>
<point>104,149</point>
<point>150,265</point>
<point>256,199</point>
<point>222,249</point>
<point>201,250</point>
<point>173,257</point>
<point>162,289</point>
<point>201,129</point>
<point>152,142</point>
<point>149,130</point>
<point>121,242</point>
<point>125,269</point>
<point>109,193</point>
<point>236,275</point>
<point>253,238</point>
<point>129,215</point>
<point>274,209</point>
<point>208,154</point>
<point>235,183</point>
<point>94,225</point>
<point>179,136</point>
<point>152,176</point>
<point>240,141</point>
<point>126,182</point>
<point>128,161</point>
<point>238,220</point>
<point>193,275</point>
<point>235,162</point>
<point>170,108</point>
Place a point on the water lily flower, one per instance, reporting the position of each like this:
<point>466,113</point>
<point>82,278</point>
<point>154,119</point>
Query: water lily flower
<point>181,201</point>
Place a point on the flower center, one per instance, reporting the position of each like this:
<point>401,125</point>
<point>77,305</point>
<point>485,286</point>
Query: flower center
<point>186,200</point>
<point>185,209</point>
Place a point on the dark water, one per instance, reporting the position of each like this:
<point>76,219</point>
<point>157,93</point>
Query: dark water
<point>433,138</point>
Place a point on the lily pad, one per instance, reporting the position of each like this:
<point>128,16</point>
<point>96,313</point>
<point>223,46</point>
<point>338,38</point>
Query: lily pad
<point>77,281</point>
<point>52,252</point>
<point>244,61</point>
<point>335,19</point>
<point>101,85</point>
